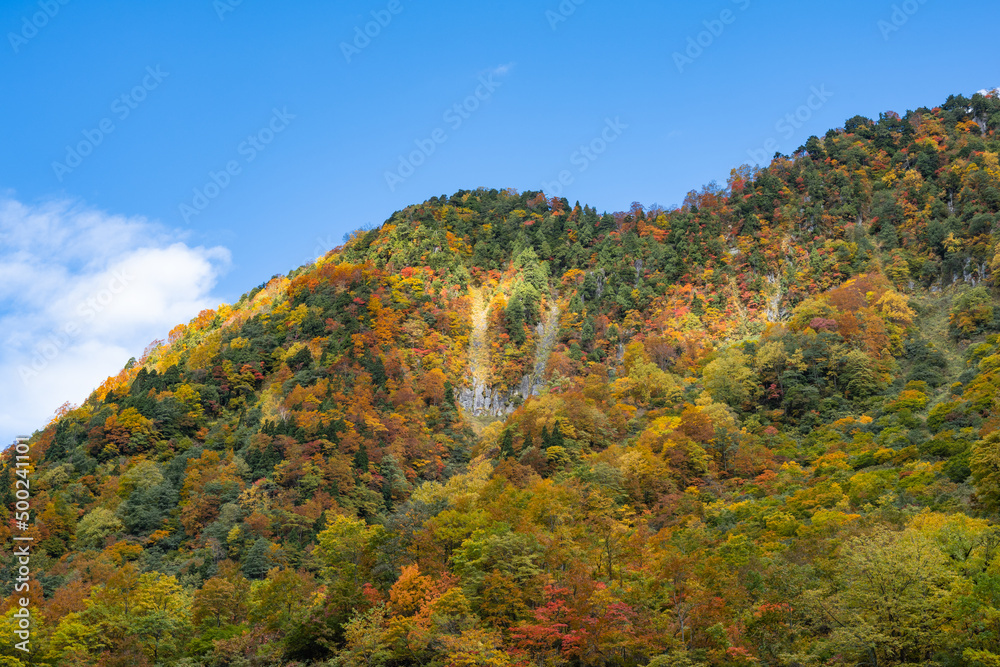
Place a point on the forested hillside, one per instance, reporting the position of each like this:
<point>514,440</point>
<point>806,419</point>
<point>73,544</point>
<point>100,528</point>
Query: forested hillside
<point>505,429</point>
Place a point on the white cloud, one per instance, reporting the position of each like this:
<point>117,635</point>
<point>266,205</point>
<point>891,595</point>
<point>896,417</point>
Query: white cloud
<point>81,291</point>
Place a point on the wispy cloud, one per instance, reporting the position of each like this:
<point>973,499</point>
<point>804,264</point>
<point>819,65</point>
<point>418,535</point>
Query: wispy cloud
<point>81,291</point>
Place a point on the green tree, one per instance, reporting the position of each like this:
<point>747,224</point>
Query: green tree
<point>95,526</point>
<point>506,444</point>
<point>971,312</point>
<point>859,376</point>
<point>349,549</point>
<point>729,379</point>
<point>515,320</point>
<point>890,606</point>
<point>257,561</point>
<point>277,600</point>
<point>150,610</point>
<point>985,466</point>
<point>365,638</point>
<point>532,271</point>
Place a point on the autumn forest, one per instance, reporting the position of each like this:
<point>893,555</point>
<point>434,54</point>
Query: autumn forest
<point>504,429</point>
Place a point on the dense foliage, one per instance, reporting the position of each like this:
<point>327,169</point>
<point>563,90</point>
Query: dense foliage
<point>769,433</point>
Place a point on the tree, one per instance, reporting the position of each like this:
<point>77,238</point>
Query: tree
<point>433,384</point>
<point>349,549</point>
<point>149,610</point>
<point>257,561</point>
<point>365,638</point>
<point>95,526</point>
<point>729,379</point>
<point>73,640</point>
<point>506,444</point>
<point>222,598</point>
<point>277,600</point>
<point>985,466</point>
<point>476,647</point>
<point>971,312</point>
<point>645,382</point>
<point>209,479</point>
<point>534,273</point>
<point>673,659</point>
<point>890,605</point>
<point>501,601</point>
<point>514,315</point>
<point>859,376</point>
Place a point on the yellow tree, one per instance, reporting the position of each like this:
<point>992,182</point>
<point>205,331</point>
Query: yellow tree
<point>277,599</point>
<point>223,598</point>
<point>729,379</point>
<point>889,608</point>
<point>147,611</point>
<point>349,549</point>
<point>985,466</point>
<point>475,647</point>
<point>365,639</point>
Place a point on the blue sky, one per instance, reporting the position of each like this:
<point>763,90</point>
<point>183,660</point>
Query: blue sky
<point>201,146</point>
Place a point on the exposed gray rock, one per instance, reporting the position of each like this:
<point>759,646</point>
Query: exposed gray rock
<point>480,399</point>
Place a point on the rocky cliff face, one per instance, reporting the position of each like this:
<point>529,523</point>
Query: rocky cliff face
<point>479,397</point>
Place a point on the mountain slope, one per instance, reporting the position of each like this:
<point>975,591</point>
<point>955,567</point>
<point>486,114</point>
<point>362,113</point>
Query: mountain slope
<point>505,429</point>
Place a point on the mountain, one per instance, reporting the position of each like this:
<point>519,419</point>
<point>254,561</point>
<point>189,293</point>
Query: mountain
<point>505,429</point>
